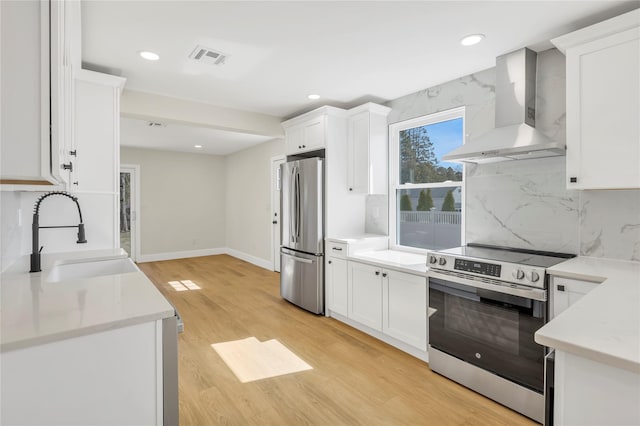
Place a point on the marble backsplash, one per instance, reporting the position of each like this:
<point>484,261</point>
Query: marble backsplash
<point>376,219</point>
<point>610,224</point>
<point>522,204</point>
<point>525,203</point>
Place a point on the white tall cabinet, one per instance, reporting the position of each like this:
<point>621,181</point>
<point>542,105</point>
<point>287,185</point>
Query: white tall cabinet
<point>95,177</point>
<point>603,104</point>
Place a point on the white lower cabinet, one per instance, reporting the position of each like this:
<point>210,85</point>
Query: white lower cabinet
<point>365,294</point>
<point>404,312</point>
<point>112,377</point>
<point>388,301</point>
<point>565,292</point>
<point>588,392</point>
<point>338,291</point>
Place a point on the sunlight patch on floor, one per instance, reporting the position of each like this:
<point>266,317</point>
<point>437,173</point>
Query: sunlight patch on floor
<point>184,285</point>
<point>250,360</point>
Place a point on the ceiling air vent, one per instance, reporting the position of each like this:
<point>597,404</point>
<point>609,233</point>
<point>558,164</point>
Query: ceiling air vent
<point>208,56</point>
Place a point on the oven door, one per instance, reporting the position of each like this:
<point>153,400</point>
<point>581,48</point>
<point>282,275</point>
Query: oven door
<point>483,325</point>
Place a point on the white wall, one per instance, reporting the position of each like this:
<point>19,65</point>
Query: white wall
<point>182,202</point>
<point>248,201</point>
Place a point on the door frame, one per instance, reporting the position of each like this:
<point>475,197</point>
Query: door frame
<point>275,251</point>
<point>134,171</point>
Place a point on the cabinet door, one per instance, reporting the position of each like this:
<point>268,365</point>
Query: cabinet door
<point>404,310</point>
<point>25,92</point>
<point>294,137</point>
<point>603,106</point>
<point>97,123</point>
<point>358,152</point>
<point>336,274</point>
<point>314,132</point>
<point>365,294</point>
<point>566,292</point>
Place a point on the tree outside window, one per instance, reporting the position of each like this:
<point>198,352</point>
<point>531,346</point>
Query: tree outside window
<point>423,180</point>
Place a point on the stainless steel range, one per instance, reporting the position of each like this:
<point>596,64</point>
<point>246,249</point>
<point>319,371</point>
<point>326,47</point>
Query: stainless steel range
<point>485,304</point>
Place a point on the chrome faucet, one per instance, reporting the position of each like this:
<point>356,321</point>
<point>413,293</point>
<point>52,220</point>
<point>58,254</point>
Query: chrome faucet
<point>35,228</point>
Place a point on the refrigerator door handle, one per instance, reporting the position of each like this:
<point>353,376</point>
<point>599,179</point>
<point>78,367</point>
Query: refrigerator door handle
<point>292,206</point>
<point>298,259</point>
<point>298,209</point>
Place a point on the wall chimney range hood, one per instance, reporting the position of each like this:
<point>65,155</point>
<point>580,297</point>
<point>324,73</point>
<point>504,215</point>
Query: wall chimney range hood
<point>514,136</point>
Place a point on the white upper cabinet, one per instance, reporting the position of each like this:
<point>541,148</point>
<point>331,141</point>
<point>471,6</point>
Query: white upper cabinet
<point>37,89</point>
<point>367,139</point>
<point>309,132</point>
<point>603,104</point>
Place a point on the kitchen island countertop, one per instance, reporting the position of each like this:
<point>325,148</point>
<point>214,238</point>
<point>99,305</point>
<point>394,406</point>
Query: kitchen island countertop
<point>35,310</point>
<point>604,325</point>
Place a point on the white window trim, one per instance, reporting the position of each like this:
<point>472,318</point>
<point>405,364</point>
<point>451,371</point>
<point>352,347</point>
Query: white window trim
<point>394,171</point>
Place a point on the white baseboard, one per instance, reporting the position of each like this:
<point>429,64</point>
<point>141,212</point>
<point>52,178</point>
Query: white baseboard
<point>262,263</point>
<point>180,254</point>
<point>266,264</point>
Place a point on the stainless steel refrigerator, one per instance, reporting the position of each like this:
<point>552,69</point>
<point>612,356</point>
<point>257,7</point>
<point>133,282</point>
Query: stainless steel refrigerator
<point>302,252</point>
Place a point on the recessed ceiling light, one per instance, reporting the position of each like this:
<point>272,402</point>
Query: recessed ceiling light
<point>197,146</point>
<point>313,96</point>
<point>150,56</point>
<point>471,39</point>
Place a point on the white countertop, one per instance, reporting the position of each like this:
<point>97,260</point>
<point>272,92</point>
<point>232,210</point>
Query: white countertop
<point>356,238</point>
<point>35,311</point>
<point>604,325</point>
<point>411,263</point>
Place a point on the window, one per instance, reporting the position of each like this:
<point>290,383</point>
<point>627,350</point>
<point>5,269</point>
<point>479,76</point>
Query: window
<point>426,196</point>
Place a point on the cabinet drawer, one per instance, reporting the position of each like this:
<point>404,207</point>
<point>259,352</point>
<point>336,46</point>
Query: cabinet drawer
<point>334,249</point>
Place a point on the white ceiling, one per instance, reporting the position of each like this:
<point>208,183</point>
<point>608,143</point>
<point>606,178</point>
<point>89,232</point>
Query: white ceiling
<point>346,51</point>
<point>179,137</point>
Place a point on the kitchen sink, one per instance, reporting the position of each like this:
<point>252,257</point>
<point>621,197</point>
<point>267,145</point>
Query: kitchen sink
<point>74,271</point>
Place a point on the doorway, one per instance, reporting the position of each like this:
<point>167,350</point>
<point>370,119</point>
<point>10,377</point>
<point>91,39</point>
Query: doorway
<point>129,202</point>
<point>275,210</point>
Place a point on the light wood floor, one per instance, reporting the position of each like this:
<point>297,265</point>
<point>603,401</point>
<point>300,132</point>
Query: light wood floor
<point>356,379</point>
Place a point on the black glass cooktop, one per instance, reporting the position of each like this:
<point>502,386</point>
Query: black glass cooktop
<point>511,255</point>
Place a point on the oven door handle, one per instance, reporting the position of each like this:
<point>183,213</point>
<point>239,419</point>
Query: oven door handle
<point>455,291</point>
<point>514,290</point>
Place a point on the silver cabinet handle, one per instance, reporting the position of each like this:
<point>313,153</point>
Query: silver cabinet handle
<point>336,248</point>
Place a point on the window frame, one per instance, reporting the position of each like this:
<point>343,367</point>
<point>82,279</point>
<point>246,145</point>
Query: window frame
<point>394,172</point>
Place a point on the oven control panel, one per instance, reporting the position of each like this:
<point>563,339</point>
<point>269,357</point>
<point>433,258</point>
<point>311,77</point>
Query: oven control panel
<point>504,271</point>
<point>476,267</point>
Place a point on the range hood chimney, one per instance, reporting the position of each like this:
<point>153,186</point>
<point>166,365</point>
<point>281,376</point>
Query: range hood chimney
<point>514,136</point>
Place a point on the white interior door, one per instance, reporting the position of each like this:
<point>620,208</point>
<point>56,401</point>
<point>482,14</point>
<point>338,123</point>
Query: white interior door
<point>275,209</point>
<point>129,207</point>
